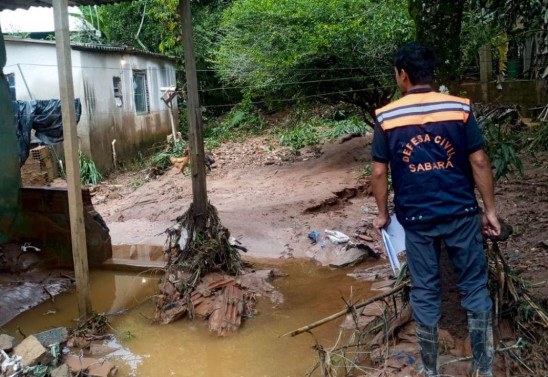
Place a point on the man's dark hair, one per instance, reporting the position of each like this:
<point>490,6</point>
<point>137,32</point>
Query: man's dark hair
<point>418,61</point>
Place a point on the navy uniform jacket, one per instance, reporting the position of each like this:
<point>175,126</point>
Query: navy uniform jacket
<point>427,137</point>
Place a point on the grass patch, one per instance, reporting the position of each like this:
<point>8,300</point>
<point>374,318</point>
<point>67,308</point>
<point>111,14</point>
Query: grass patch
<point>239,123</point>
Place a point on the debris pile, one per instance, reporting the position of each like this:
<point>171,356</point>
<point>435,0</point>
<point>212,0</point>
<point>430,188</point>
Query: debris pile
<point>205,276</point>
<point>46,354</point>
<point>382,328</point>
<point>346,252</point>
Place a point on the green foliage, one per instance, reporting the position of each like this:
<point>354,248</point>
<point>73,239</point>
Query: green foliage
<point>367,170</point>
<point>89,175</point>
<point>340,50</point>
<point>502,149</point>
<point>94,28</point>
<point>300,136</point>
<point>161,161</point>
<point>345,127</point>
<point>240,122</point>
<point>120,24</point>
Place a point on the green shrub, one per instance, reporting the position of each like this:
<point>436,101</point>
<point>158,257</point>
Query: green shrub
<point>501,147</point>
<point>161,160</point>
<point>300,136</point>
<point>240,122</point>
<point>345,127</point>
<point>89,175</point>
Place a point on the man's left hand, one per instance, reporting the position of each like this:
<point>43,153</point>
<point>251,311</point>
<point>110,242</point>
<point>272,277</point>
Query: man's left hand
<point>381,222</point>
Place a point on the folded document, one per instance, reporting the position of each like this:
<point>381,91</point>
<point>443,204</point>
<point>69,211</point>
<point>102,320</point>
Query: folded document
<point>393,237</point>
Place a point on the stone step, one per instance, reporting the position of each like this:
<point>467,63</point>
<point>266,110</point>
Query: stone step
<point>137,265</point>
<point>143,252</point>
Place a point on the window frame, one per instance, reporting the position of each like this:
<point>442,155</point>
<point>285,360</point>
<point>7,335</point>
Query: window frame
<point>145,100</point>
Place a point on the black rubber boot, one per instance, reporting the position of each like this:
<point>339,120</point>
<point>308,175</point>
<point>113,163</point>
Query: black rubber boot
<point>481,337</point>
<point>428,342</point>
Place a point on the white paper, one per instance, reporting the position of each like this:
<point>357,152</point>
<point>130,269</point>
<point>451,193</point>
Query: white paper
<point>394,243</point>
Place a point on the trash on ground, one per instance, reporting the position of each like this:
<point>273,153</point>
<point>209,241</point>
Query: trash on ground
<point>337,237</point>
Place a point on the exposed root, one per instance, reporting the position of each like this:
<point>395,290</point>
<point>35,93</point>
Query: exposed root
<point>192,255</point>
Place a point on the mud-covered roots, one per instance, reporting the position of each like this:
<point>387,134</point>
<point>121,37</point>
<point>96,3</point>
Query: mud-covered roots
<point>193,253</point>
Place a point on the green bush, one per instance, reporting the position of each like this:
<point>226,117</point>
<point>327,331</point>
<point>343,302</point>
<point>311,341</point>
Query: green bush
<point>89,175</point>
<point>300,136</point>
<point>345,127</point>
<point>341,50</point>
<point>501,147</point>
<point>161,160</point>
<point>240,122</point>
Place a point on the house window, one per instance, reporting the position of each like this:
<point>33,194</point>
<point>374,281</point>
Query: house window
<point>140,92</point>
<point>10,77</point>
<point>117,87</point>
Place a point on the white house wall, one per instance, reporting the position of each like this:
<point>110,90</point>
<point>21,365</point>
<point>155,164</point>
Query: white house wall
<point>102,121</point>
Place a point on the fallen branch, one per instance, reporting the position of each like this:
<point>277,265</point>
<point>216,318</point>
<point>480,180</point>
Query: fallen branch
<point>348,309</point>
<point>514,346</point>
<point>403,318</point>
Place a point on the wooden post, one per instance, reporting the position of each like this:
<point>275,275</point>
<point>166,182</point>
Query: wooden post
<point>486,70</point>
<point>76,209</point>
<point>195,128</point>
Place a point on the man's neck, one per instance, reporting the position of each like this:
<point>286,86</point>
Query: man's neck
<point>412,88</point>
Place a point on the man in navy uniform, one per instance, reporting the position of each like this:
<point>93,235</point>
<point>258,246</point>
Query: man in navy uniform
<point>435,151</point>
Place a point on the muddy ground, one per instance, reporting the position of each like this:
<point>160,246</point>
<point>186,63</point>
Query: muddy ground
<point>270,200</point>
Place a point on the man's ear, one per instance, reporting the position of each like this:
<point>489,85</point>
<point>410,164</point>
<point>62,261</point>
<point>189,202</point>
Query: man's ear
<point>403,75</point>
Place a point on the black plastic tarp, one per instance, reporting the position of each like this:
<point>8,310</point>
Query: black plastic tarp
<point>44,116</point>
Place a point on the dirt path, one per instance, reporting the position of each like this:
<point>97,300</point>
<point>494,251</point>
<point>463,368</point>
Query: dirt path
<point>270,202</point>
<point>261,198</point>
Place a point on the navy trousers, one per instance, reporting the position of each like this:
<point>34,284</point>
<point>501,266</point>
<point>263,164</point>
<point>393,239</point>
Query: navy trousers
<point>464,243</point>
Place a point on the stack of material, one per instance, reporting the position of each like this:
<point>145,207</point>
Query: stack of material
<point>220,298</point>
<point>40,168</point>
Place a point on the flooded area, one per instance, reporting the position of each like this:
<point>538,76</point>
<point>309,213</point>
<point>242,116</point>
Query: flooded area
<point>186,348</point>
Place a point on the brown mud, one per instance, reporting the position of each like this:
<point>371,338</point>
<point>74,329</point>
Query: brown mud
<point>270,202</point>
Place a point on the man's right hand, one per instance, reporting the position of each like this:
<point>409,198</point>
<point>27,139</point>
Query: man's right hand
<point>490,225</point>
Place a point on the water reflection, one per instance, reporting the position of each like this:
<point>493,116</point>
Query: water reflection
<point>186,348</point>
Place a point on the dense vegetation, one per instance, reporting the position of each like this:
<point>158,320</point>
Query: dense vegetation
<point>257,57</point>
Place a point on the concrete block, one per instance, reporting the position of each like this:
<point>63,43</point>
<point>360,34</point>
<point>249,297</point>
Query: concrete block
<point>90,366</point>
<point>62,371</point>
<point>7,342</point>
<point>53,336</point>
<point>32,352</point>
<point>104,369</point>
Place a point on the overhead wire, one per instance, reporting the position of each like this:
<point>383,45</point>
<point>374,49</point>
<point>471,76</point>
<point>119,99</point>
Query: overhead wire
<point>295,82</point>
<point>303,97</point>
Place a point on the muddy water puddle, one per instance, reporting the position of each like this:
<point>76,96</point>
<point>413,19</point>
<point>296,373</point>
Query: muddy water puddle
<point>186,348</point>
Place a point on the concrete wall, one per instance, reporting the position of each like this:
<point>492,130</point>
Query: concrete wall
<point>34,65</point>
<point>527,94</point>
<point>105,120</point>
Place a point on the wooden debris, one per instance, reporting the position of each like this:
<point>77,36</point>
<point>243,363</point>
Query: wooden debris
<point>227,311</point>
<point>365,237</point>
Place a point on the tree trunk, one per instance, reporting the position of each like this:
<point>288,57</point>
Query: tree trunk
<point>438,25</point>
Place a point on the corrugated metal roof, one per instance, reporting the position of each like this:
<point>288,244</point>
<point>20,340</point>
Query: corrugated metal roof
<point>25,4</point>
<point>125,50</point>
<point>90,47</point>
